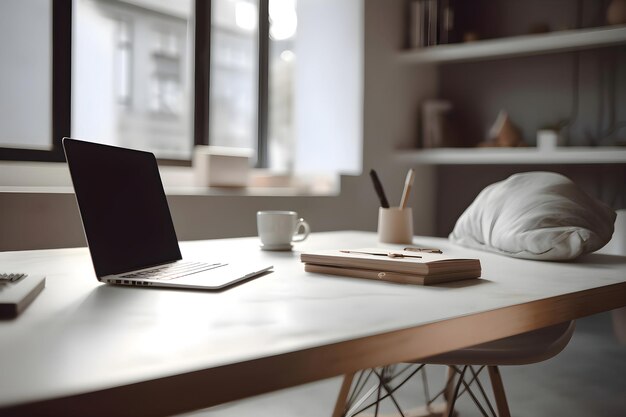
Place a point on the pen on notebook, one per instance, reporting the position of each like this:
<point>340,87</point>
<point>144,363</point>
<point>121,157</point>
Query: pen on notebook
<point>410,176</point>
<point>388,254</point>
<point>427,250</point>
<point>379,189</point>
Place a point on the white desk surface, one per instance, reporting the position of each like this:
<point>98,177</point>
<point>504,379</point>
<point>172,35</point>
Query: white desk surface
<point>85,347</point>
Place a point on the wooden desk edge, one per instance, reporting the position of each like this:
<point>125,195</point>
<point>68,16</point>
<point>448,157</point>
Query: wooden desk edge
<point>205,388</point>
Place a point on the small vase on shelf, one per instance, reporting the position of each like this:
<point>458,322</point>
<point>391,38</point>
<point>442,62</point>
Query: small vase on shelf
<point>616,13</point>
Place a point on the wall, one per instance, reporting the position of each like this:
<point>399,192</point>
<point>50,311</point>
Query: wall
<point>37,220</point>
<point>540,91</point>
<point>392,92</point>
<point>587,87</point>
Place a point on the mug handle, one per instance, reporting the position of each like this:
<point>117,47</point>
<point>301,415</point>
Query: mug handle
<point>307,230</point>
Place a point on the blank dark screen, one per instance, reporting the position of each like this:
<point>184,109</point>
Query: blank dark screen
<point>123,207</point>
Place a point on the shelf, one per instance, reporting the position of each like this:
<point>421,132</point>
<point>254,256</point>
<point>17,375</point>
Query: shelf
<point>525,45</point>
<point>519,156</point>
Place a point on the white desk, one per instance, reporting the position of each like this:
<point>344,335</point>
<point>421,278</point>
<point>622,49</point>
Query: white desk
<point>87,348</point>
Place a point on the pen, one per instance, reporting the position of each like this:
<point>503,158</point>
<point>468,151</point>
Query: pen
<point>388,254</point>
<point>427,250</point>
<point>410,176</point>
<point>379,189</point>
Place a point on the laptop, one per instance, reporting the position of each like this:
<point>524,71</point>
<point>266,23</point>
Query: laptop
<point>128,225</point>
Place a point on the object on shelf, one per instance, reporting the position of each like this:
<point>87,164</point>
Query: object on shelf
<point>217,166</point>
<point>470,37</point>
<point>446,22</point>
<point>417,25</point>
<point>539,28</point>
<point>503,133</point>
<point>616,13</point>
<point>430,22</point>
<point>436,124</point>
<point>548,139</point>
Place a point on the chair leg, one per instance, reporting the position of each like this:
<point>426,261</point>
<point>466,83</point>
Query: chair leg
<point>498,391</point>
<point>453,394</point>
<point>449,389</point>
<point>342,398</point>
<point>619,324</point>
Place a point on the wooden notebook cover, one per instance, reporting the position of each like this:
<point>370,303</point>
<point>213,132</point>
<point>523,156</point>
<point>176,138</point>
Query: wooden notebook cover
<point>395,277</point>
<point>413,263</point>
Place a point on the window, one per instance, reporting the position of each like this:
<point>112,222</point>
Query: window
<point>280,81</point>
<point>166,75</point>
<point>282,61</point>
<point>123,62</point>
<point>130,75</point>
<point>167,89</point>
<point>316,85</point>
<point>26,73</point>
<point>234,73</point>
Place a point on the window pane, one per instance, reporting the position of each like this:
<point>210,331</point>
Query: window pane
<point>131,74</point>
<point>26,73</point>
<point>234,73</point>
<point>328,79</point>
<point>315,86</point>
<point>282,61</point>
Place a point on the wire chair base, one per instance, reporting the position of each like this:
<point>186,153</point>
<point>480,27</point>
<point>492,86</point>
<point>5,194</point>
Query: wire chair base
<point>371,387</point>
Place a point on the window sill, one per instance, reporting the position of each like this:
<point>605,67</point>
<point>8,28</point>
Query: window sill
<point>190,191</point>
<point>53,178</point>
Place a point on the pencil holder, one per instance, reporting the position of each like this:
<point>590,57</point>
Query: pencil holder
<point>395,225</point>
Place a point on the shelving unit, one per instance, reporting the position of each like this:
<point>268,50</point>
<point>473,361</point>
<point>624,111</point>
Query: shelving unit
<point>524,45</point>
<point>517,46</point>
<point>539,79</point>
<point>518,156</point>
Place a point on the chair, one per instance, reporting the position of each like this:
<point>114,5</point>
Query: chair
<point>617,246</point>
<point>527,348</point>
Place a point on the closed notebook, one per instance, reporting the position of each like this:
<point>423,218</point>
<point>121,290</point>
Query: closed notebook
<point>391,265</point>
<point>386,260</point>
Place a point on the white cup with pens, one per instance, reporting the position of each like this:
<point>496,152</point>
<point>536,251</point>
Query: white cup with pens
<point>395,224</point>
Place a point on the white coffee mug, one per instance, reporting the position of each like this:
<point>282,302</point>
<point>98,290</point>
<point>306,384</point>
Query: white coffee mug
<point>277,229</point>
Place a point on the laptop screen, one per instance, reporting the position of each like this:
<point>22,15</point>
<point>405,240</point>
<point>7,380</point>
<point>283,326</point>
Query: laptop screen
<point>125,215</point>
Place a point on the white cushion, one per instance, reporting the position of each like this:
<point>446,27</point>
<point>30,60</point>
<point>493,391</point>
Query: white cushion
<point>535,215</point>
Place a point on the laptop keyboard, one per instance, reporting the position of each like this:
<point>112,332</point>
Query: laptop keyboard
<point>173,271</point>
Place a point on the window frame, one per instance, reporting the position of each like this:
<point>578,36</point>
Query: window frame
<point>61,60</point>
